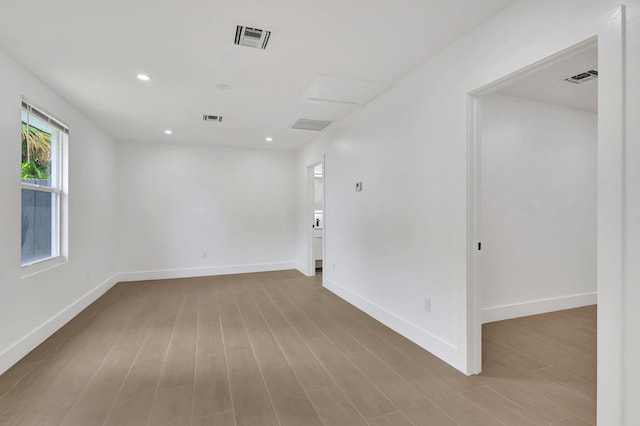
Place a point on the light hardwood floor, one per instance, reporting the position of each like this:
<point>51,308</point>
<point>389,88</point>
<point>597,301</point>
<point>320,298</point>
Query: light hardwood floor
<point>277,349</point>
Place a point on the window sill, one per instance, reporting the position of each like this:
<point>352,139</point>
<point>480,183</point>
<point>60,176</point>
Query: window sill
<point>42,266</point>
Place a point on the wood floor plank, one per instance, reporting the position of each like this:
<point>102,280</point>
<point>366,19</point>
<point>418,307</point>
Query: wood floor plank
<point>549,350</point>
<point>251,401</point>
<point>340,337</point>
<point>363,395</point>
<point>573,421</point>
<point>172,406</point>
<point>296,317</point>
<point>393,419</point>
<point>212,393</point>
<point>291,403</point>
<point>173,402</point>
<point>49,347</point>
<point>235,335</point>
<point>404,396</point>
<point>502,408</point>
<point>224,418</point>
<point>51,404</point>
<point>135,398</point>
<point>311,374</point>
<point>453,404</point>
<point>334,408</point>
<point>271,314</point>
<point>93,405</point>
<point>179,364</point>
<point>429,363</point>
<point>276,348</point>
<point>576,404</point>
<point>26,390</point>
<point>580,385</point>
<point>387,353</point>
<point>518,392</point>
<point>496,351</point>
<point>16,374</point>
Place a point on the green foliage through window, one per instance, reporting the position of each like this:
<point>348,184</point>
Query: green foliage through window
<point>36,153</point>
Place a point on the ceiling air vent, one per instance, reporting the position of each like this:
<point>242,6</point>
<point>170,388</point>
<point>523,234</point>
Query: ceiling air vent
<point>583,76</point>
<point>217,118</point>
<point>308,124</point>
<point>252,37</point>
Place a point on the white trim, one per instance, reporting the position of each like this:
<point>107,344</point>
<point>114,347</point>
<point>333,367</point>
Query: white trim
<point>534,307</point>
<point>58,218</point>
<point>611,219</point>
<point>324,217</point>
<point>473,307</point>
<point>41,188</point>
<point>34,268</point>
<point>418,335</point>
<point>311,267</point>
<point>474,318</point>
<point>311,192</point>
<point>610,32</point>
<point>42,114</point>
<point>162,274</point>
<point>15,352</point>
<point>302,269</point>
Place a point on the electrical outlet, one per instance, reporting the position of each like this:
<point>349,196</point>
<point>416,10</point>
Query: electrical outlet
<point>333,266</point>
<point>204,255</point>
<point>427,304</point>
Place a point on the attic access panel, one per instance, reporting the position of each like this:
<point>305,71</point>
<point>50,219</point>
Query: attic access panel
<point>336,90</point>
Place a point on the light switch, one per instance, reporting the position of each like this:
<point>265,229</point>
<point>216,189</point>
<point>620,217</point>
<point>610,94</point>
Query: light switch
<point>358,186</point>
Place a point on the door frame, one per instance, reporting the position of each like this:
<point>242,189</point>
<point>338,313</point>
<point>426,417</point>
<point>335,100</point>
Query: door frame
<point>474,184</point>
<point>610,39</point>
<point>311,264</point>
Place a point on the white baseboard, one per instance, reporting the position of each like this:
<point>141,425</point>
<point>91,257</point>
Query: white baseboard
<point>27,343</point>
<point>164,274</point>
<point>304,269</point>
<point>430,342</point>
<point>534,307</point>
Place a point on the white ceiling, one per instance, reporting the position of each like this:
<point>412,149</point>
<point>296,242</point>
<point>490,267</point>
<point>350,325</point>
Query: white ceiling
<point>90,51</point>
<point>548,85</point>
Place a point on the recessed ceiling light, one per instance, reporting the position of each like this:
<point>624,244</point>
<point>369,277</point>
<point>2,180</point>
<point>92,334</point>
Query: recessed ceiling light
<point>168,132</point>
<point>268,139</point>
<point>143,77</point>
<point>223,86</point>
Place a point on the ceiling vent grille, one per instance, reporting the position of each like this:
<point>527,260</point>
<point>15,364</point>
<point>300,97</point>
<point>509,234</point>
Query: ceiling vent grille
<point>217,118</point>
<point>308,124</point>
<point>252,37</point>
<point>583,76</point>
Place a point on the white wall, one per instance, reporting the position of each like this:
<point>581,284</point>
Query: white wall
<point>631,313</point>
<point>33,308</point>
<point>177,202</point>
<point>401,239</point>
<point>537,216</point>
<point>404,237</point>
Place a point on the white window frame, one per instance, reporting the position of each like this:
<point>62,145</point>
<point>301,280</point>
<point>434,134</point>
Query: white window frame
<point>58,187</point>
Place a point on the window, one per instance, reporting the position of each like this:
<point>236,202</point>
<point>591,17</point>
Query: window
<point>43,139</point>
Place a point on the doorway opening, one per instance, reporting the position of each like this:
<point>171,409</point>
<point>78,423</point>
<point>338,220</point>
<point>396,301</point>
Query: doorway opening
<point>317,218</point>
<point>533,191</point>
